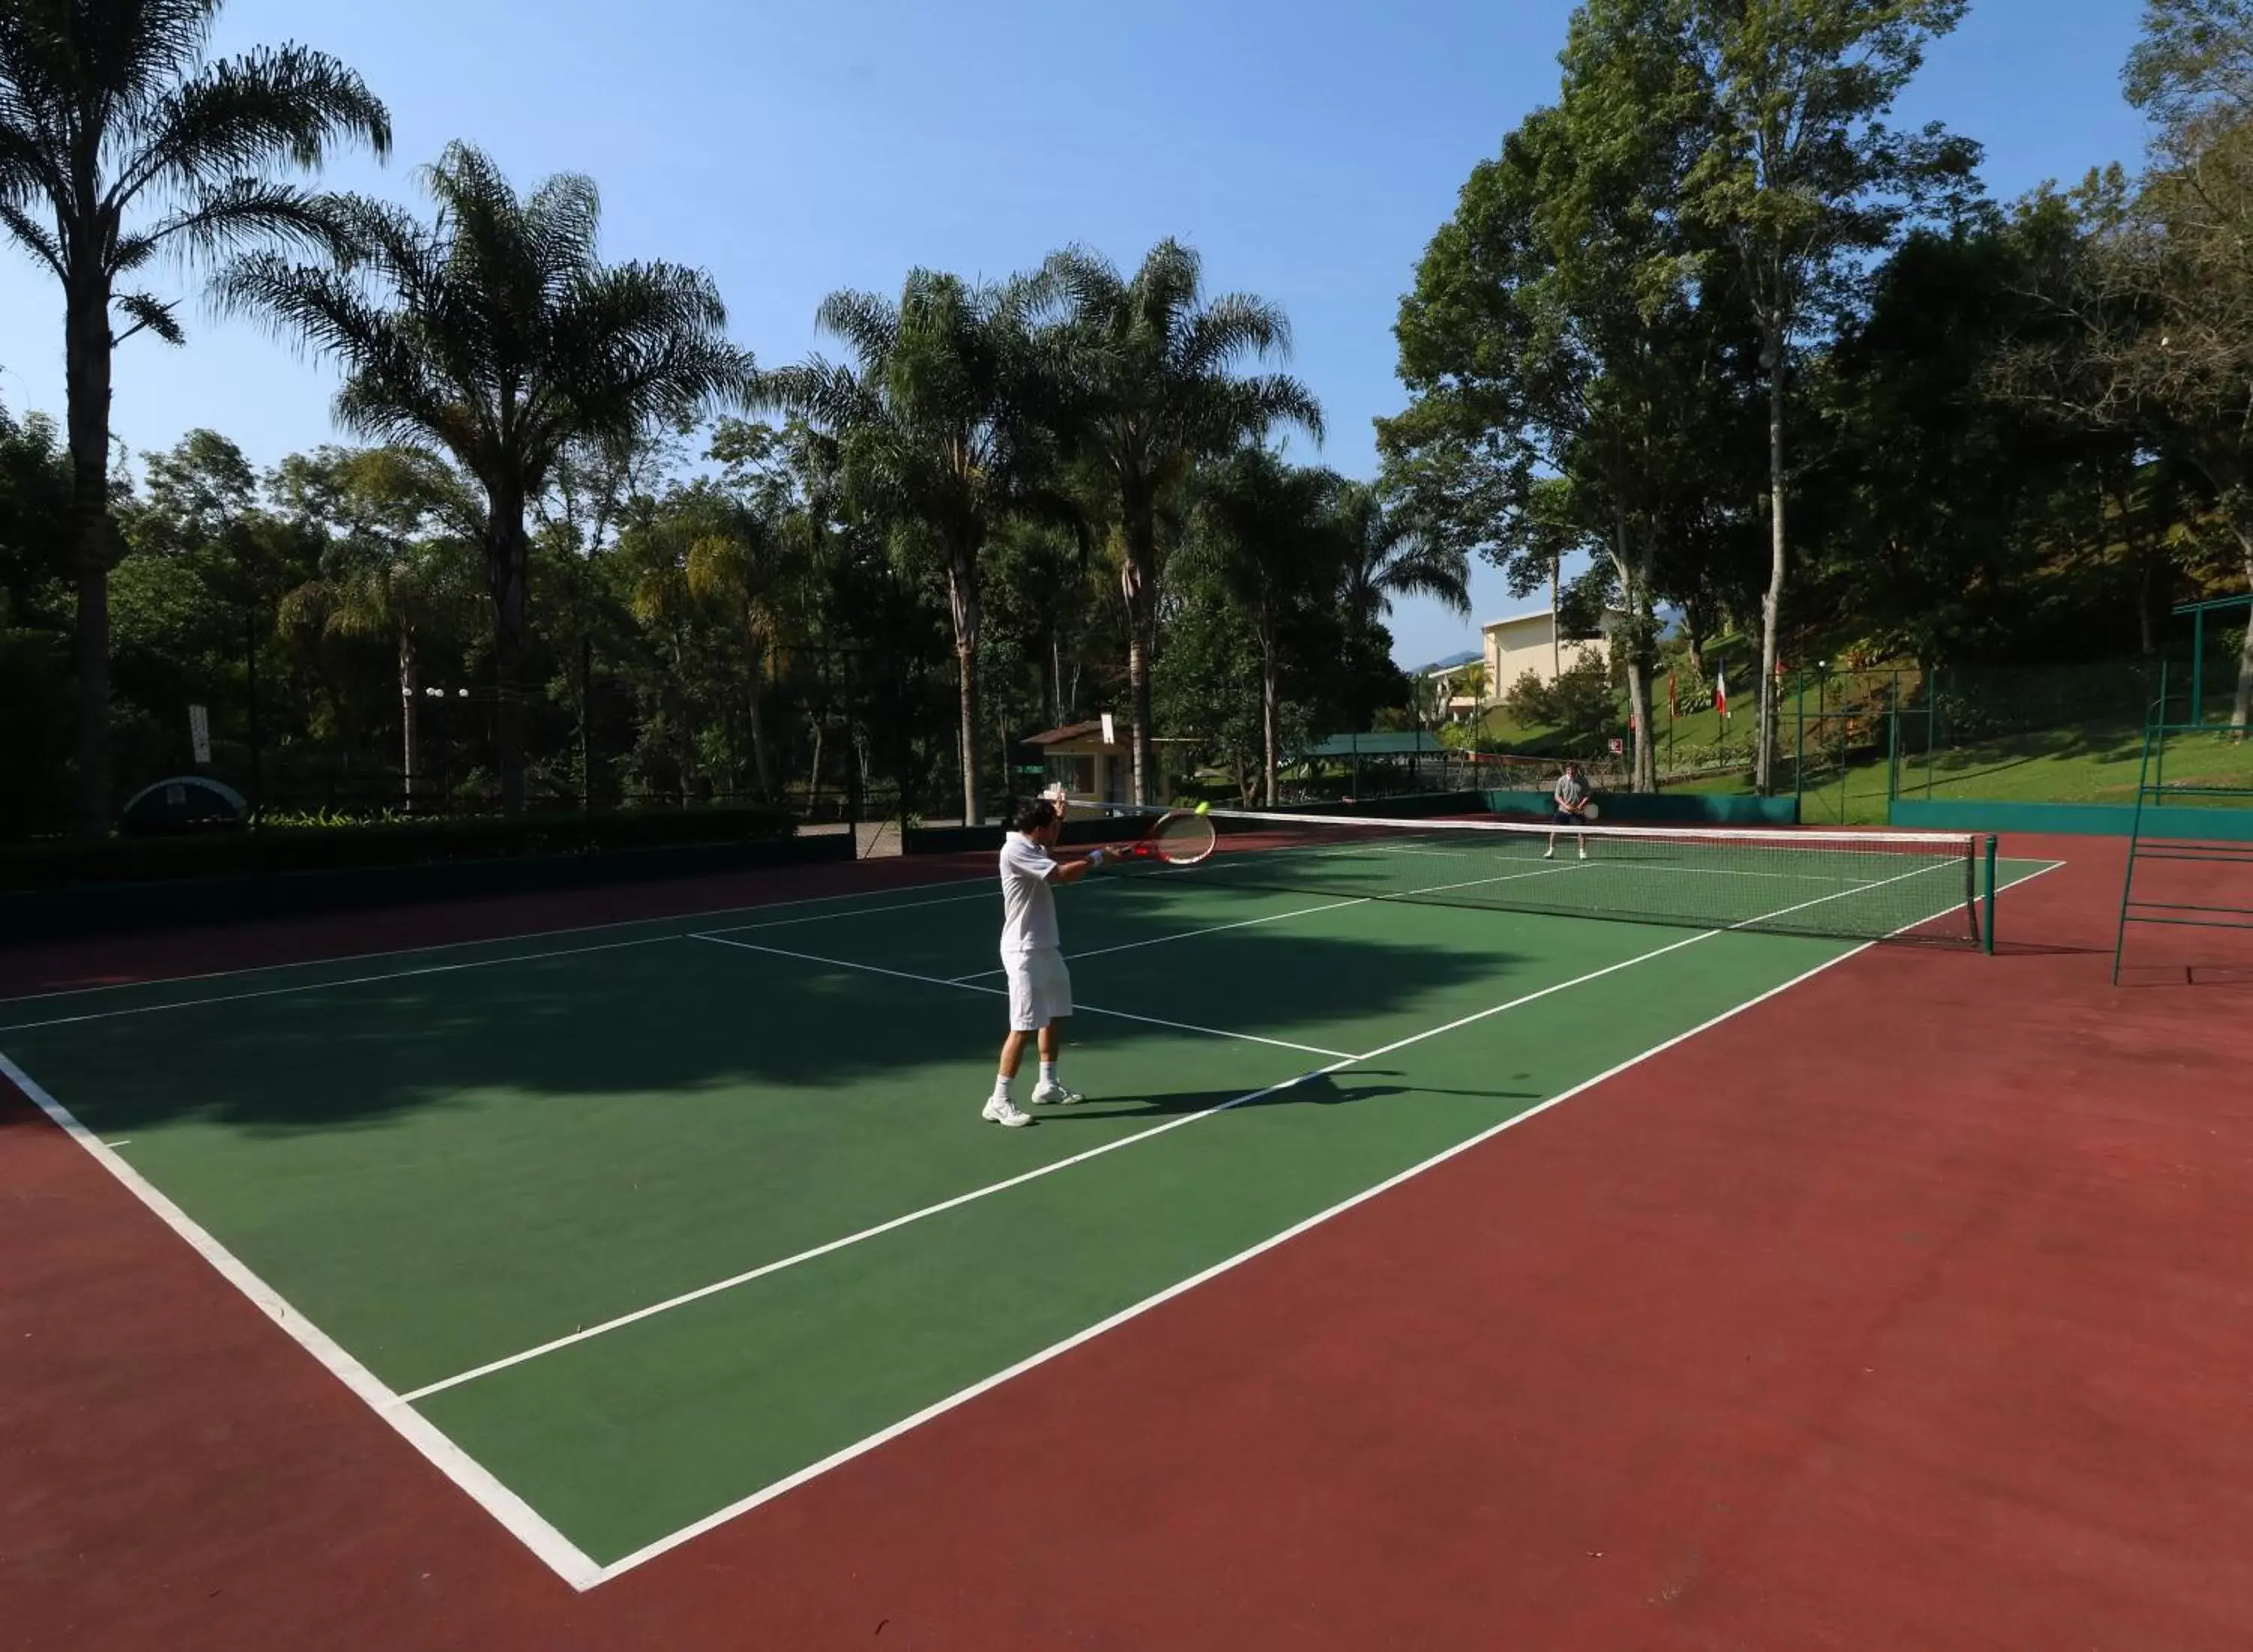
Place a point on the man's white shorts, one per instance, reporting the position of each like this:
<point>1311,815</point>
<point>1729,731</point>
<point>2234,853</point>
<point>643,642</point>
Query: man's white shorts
<point>1040,987</point>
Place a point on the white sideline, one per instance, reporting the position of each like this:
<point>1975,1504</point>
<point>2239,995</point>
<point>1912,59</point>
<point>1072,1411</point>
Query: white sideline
<point>562,1555</point>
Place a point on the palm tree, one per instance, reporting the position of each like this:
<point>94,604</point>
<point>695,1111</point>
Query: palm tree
<point>1150,389</point>
<point>496,337</point>
<point>120,142</point>
<point>1386,558</point>
<point>937,433</point>
<point>400,570</point>
<point>733,557</point>
<point>1277,531</point>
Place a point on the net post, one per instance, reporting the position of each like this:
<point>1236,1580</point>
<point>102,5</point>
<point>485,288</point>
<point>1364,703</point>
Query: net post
<point>1987,930</point>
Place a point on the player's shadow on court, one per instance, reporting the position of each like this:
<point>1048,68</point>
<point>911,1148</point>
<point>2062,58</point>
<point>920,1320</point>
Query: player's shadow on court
<point>1324,1090</point>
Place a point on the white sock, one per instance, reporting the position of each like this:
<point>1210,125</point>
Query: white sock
<point>1000,1086</point>
<point>1048,1073</point>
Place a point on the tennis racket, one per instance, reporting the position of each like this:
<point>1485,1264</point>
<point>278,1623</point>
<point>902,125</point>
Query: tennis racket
<point>1181,837</point>
<point>1588,810</point>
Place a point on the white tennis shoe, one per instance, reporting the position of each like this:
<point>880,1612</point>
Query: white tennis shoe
<point>1055,1096</point>
<point>1001,1111</point>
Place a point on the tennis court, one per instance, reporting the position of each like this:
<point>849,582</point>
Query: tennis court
<point>631,1230</point>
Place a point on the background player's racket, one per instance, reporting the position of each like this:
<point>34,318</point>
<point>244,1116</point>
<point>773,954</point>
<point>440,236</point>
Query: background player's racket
<point>1181,837</point>
<point>1588,809</point>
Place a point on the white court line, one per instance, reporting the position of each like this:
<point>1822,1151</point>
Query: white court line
<point>563,1556</point>
<point>496,940</point>
<point>972,986</point>
<point>477,963</point>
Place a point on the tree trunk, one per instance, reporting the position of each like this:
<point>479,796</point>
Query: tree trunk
<point>410,688</point>
<point>1137,578</point>
<point>1555,621</point>
<point>87,342</point>
<point>1270,720</point>
<point>1633,573</point>
<point>962,595</point>
<point>505,571</point>
<point>586,720</point>
<point>762,762</point>
<point>1772,603</point>
<point>2242,707</point>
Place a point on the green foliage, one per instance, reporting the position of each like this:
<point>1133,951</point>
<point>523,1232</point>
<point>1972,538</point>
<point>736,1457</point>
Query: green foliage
<point>328,842</point>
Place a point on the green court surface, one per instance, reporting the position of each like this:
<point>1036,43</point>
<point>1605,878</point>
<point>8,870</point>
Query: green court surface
<point>465,1167</point>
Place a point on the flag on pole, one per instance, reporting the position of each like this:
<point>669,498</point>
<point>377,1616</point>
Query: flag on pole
<point>1721,691</point>
<point>1673,700</point>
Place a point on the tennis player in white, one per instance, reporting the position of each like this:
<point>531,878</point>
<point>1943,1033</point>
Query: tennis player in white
<point>1032,955</point>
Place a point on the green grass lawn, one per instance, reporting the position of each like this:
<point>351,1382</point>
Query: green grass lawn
<point>2098,765</point>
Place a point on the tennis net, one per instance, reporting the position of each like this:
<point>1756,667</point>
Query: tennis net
<point>1853,885</point>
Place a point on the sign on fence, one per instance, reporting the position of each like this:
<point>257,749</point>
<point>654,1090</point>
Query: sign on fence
<point>199,733</point>
<point>1618,745</point>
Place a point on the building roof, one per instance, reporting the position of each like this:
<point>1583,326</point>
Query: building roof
<point>1528,618</point>
<point>1069,731</point>
<point>1093,729</point>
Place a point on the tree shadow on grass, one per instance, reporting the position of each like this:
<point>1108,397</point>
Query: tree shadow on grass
<point>687,1022</point>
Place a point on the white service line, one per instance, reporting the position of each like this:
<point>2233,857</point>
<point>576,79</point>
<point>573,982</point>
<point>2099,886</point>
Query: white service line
<point>562,1555</point>
<point>973,986</point>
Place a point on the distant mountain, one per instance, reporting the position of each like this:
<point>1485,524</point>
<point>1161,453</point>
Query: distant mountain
<point>1468,657</point>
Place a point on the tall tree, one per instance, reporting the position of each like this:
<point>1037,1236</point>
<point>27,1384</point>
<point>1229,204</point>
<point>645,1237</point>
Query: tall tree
<point>1386,558</point>
<point>1152,371</point>
<point>1801,180</point>
<point>397,566</point>
<point>1279,551</point>
<point>120,142</point>
<point>936,427</point>
<point>1563,361</point>
<point>495,336</point>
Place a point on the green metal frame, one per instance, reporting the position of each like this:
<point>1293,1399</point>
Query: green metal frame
<point>2150,786</point>
<point>2198,611</point>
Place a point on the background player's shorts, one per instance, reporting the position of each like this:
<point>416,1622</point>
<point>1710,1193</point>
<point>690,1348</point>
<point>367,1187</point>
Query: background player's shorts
<point>1040,987</point>
<point>1564,818</point>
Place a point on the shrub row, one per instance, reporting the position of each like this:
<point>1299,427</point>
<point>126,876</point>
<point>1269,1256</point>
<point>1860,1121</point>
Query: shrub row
<point>274,849</point>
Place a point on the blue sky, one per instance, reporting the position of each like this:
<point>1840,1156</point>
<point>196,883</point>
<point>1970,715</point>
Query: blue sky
<point>1308,151</point>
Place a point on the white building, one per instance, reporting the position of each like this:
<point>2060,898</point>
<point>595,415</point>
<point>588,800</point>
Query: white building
<point>1530,643</point>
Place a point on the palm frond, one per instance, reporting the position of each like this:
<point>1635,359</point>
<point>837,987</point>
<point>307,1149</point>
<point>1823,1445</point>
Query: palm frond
<point>150,314</point>
<point>236,121</point>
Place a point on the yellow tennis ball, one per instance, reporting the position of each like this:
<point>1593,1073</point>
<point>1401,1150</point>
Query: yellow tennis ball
<point>1205,808</point>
